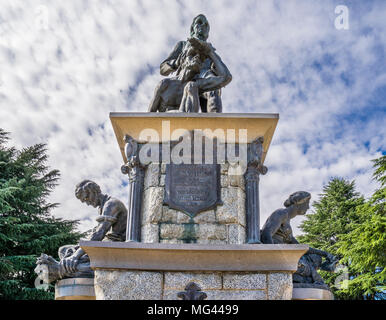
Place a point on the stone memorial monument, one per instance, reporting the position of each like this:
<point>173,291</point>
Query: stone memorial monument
<point>191,230</point>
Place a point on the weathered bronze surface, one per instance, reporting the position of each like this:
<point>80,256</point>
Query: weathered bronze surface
<point>199,75</point>
<point>277,230</point>
<point>192,188</point>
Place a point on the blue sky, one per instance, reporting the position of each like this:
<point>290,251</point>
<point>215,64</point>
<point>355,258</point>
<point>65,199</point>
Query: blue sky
<point>66,64</point>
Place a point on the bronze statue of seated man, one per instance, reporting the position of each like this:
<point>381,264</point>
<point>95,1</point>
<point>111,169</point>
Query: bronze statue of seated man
<point>200,74</point>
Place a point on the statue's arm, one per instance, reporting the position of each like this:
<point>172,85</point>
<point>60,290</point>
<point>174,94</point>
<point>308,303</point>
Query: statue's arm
<point>72,261</point>
<point>294,241</point>
<point>271,226</point>
<point>222,78</point>
<point>331,260</point>
<point>220,67</point>
<point>102,229</point>
<point>318,252</point>
<point>170,64</point>
<point>108,217</point>
<point>106,220</point>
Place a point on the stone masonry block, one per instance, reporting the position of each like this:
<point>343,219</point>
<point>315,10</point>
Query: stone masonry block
<point>127,285</point>
<point>152,205</point>
<point>162,180</point>
<point>205,217</point>
<point>236,234</point>
<point>179,280</point>
<point>237,181</point>
<point>150,233</point>
<point>152,175</point>
<point>233,208</point>
<point>171,231</point>
<point>212,232</point>
<point>244,281</point>
<point>174,216</point>
<point>183,231</point>
<point>280,286</point>
<point>224,181</point>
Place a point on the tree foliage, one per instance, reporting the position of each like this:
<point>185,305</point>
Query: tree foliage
<point>364,248</point>
<point>334,214</point>
<point>27,228</point>
<point>353,229</point>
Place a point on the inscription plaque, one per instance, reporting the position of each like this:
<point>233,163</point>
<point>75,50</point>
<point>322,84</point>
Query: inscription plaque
<point>192,188</point>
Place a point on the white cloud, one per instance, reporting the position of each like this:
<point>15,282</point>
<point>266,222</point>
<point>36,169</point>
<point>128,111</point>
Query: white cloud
<point>59,80</point>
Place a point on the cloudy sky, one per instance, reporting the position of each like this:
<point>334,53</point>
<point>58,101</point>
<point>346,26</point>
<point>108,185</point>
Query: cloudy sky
<point>64,65</point>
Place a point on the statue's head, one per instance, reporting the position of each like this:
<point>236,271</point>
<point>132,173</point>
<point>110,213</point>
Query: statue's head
<point>200,28</point>
<point>300,199</point>
<point>89,192</point>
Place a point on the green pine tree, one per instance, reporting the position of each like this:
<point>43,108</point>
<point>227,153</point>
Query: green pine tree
<point>364,247</point>
<point>334,215</point>
<point>27,228</point>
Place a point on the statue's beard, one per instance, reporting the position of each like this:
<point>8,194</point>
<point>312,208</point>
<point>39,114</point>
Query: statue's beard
<point>194,66</point>
<point>200,34</point>
<point>190,69</point>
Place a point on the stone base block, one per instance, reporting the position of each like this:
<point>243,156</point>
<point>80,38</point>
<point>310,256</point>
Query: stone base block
<point>143,271</point>
<point>193,257</point>
<point>148,285</point>
<point>130,285</point>
<point>75,289</point>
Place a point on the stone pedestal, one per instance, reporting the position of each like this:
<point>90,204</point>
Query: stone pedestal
<point>139,271</point>
<point>232,218</point>
<point>190,220</point>
<point>75,289</point>
<point>311,294</point>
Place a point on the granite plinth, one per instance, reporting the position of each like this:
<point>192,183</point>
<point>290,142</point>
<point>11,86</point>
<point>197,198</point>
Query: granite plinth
<point>193,257</point>
<point>157,271</point>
